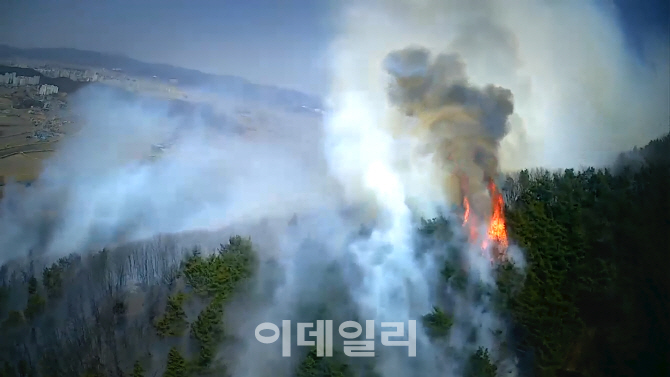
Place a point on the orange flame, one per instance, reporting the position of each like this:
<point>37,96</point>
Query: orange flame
<point>468,220</point>
<point>496,235</point>
<point>497,231</point>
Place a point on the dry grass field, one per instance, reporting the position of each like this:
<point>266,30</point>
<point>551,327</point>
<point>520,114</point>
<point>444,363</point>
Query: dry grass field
<point>21,153</point>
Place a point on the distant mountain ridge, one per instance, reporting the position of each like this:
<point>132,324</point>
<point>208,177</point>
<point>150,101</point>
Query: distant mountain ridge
<point>225,84</point>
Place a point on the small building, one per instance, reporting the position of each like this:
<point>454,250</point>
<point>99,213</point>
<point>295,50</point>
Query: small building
<point>46,90</point>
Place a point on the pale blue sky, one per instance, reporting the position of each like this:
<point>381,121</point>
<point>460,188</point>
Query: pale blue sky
<point>279,42</point>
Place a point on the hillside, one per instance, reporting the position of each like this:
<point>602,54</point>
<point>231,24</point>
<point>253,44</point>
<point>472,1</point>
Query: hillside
<point>593,302</point>
<point>227,84</point>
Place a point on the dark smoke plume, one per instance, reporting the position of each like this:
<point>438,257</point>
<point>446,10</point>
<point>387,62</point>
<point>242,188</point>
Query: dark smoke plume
<point>462,124</point>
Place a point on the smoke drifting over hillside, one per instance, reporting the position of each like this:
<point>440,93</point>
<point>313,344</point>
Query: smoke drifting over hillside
<point>101,186</point>
<point>430,100</point>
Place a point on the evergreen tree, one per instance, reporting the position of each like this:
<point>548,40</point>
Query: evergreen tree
<point>176,364</point>
<point>138,371</point>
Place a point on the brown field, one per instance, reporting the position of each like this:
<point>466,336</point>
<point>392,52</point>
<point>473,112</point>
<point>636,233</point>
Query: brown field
<point>8,122</point>
<point>21,156</point>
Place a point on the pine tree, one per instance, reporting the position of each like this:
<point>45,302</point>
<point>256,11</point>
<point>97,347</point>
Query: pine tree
<point>138,371</point>
<point>480,365</point>
<point>176,364</point>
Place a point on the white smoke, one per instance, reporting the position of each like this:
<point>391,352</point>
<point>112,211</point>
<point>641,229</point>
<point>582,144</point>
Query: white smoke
<point>580,96</point>
<point>575,87</point>
<point>101,187</point>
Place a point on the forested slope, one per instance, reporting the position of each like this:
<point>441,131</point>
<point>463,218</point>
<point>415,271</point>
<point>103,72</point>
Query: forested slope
<point>594,300</point>
<point>596,296</point>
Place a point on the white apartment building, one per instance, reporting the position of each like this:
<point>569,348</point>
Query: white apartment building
<point>46,90</point>
<point>12,79</point>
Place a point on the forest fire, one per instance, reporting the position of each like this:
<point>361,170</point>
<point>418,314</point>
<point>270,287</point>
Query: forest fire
<point>496,235</point>
<point>468,220</point>
<point>497,230</point>
<point>461,126</point>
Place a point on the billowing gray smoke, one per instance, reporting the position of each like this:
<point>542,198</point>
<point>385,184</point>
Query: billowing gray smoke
<point>427,84</point>
<point>580,95</point>
<point>459,124</point>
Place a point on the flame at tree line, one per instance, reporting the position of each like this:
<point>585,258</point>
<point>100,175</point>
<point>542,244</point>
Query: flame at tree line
<point>496,235</point>
<point>461,126</point>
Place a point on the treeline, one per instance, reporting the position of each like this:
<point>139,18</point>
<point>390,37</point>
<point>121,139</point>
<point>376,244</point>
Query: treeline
<point>120,313</point>
<point>596,297</point>
<point>593,301</point>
